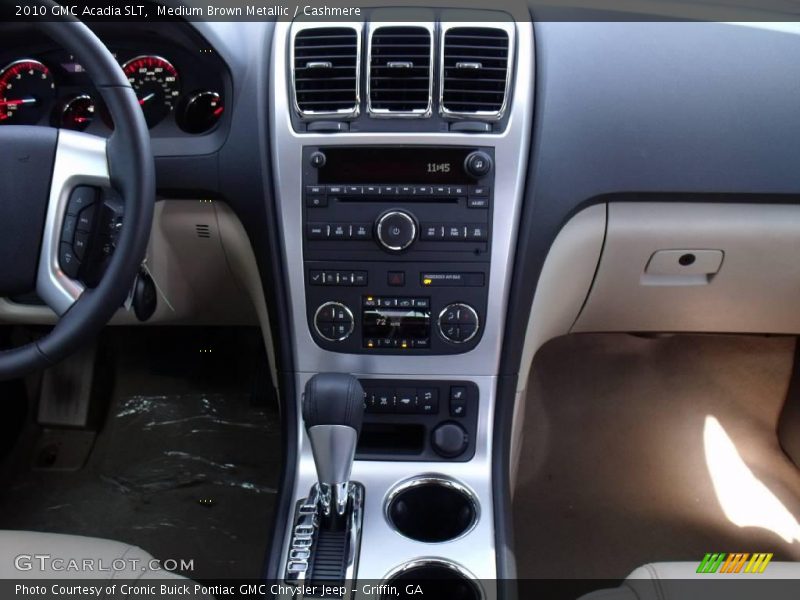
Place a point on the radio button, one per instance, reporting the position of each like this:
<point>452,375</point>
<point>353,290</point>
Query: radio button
<point>423,190</point>
<point>396,230</point>
<point>406,189</point>
<point>315,190</point>
<point>432,231</point>
<point>373,190</point>
<point>479,190</point>
<point>441,190</point>
<point>478,203</point>
<point>354,189</point>
<point>478,164</point>
<point>316,201</point>
<point>362,231</point>
<point>317,231</point>
<point>335,189</point>
<point>458,190</point>
<point>389,190</point>
<point>454,232</point>
<point>477,233</point>
<point>329,278</point>
<point>339,231</point>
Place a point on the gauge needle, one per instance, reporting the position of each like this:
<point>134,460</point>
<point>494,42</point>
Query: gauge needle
<point>147,98</point>
<point>18,102</point>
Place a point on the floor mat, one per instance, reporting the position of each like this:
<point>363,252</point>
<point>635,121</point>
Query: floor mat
<point>654,449</point>
<point>186,465</point>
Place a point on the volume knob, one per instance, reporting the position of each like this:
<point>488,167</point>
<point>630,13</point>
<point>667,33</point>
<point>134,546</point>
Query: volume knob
<point>396,230</point>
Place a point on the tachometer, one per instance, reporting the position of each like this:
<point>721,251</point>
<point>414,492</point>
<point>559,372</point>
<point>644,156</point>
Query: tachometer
<point>26,87</point>
<point>157,86</point>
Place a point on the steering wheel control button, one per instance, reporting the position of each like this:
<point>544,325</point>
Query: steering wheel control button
<point>81,197</point>
<point>68,228</point>
<point>458,323</point>
<point>478,164</point>
<point>334,322</point>
<point>69,262</point>
<point>86,218</point>
<point>81,244</point>
<point>396,230</point>
<point>449,439</point>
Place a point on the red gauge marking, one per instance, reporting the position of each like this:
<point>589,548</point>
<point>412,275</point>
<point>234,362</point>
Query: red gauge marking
<point>10,76</point>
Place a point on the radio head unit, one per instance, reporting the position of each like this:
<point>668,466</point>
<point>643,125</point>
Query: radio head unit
<point>396,246</point>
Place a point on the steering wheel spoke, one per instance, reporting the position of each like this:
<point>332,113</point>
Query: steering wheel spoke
<point>80,173</point>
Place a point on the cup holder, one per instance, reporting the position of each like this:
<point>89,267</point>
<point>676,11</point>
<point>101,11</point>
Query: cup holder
<point>436,578</point>
<point>432,509</point>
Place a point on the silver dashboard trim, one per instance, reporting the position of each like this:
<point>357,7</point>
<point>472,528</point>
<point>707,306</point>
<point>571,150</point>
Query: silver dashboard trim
<point>511,161</point>
<point>480,115</point>
<point>80,160</point>
<point>385,113</point>
<point>307,115</point>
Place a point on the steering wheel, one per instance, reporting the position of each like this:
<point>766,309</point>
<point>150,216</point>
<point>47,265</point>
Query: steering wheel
<point>46,173</point>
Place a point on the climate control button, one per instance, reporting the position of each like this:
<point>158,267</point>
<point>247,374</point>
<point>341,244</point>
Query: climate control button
<point>458,323</point>
<point>334,321</point>
<point>396,230</point>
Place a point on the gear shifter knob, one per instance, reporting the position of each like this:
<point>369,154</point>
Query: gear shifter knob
<point>333,410</point>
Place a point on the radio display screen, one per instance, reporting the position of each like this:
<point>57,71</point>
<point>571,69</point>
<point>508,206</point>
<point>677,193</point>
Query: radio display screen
<point>395,165</point>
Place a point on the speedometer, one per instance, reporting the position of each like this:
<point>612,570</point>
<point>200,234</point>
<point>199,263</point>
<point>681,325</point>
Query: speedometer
<point>26,87</point>
<point>156,84</point>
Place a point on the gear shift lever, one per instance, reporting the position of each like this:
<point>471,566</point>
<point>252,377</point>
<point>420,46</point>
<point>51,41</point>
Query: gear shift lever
<point>333,410</point>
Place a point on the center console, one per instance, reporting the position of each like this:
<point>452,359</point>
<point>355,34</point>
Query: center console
<point>398,213</point>
<point>396,247</point>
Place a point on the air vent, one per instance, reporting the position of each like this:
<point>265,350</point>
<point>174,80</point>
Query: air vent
<point>203,231</point>
<point>400,71</point>
<point>475,69</point>
<point>326,71</point>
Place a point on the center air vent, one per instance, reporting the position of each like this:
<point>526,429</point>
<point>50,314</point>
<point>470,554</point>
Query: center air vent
<point>326,71</point>
<point>400,71</point>
<point>475,69</point>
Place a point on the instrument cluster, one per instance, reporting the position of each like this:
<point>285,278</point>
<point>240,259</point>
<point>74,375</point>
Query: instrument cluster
<point>52,88</point>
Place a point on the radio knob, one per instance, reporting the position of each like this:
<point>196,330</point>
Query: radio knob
<point>477,164</point>
<point>458,323</point>
<point>334,322</point>
<point>396,230</point>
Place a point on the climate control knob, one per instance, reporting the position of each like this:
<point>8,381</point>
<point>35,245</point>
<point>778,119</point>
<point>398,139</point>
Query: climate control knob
<point>458,323</point>
<point>396,230</point>
<point>334,322</point>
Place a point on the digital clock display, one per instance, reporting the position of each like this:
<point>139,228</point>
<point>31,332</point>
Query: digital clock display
<point>412,165</point>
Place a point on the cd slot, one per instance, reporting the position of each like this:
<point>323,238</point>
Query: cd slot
<point>397,199</point>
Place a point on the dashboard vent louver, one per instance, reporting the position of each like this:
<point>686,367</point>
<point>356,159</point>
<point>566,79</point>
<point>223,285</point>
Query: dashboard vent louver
<point>475,68</point>
<point>326,71</point>
<point>400,71</point>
